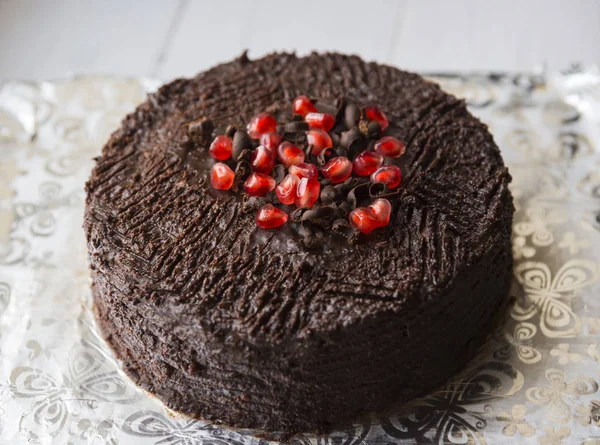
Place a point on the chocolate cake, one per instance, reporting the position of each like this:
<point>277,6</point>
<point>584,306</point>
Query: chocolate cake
<point>308,325</point>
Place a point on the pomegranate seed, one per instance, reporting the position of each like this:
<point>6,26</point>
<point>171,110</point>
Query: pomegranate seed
<point>390,146</point>
<point>304,170</point>
<point>337,169</point>
<point>374,113</point>
<point>307,193</point>
<point>261,124</point>
<point>363,219</point>
<point>323,121</point>
<point>319,140</point>
<point>382,209</point>
<point>262,160</point>
<point>286,190</point>
<point>221,148</point>
<point>221,176</point>
<point>303,106</point>
<point>259,184</point>
<point>270,141</point>
<point>389,175</point>
<point>289,154</point>
<point>270,217</point>
<point>366,163</point>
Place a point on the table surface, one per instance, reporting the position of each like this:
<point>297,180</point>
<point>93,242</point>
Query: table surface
<point>46,39</point>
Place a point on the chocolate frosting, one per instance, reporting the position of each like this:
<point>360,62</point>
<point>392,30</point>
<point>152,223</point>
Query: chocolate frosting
<point>232,323</point>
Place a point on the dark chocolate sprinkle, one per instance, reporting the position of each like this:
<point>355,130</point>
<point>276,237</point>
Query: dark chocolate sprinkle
<point>328,194</point>
<point>241,142</point>
<point>200,130</point>
<point>230,131</point>
<point>293,127</point>
<point>279,173</point>
<point>351,115</point>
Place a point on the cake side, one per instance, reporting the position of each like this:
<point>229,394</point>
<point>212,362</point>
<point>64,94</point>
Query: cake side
<point>225,325</point>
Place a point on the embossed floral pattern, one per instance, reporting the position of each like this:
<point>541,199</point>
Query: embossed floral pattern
<point>520,342</point>
<point>548,297</point>
<point>554,437</point>
<point>59,383</point>
<point>520,248</point>
<point>564,355</point>
<point>572,244</point>
<point>516,422</point>
<point>560,393</point>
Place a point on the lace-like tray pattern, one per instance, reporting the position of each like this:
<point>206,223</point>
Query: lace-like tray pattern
<point>535,382</point>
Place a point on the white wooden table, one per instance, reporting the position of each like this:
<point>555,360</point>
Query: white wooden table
<point>45,39</point>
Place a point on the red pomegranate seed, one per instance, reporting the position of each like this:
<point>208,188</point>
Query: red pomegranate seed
<point>261,124</point>
<point>389,175</point>
<point>289,154</point>
<point>259,184</point>
<point>221,148</point>
<point>323,121</point>
<point>307,193</point>
<point>374,113</point>
<point>337,169</point>
<point>366,163</point>
<point>221,176</point>
<point>270,141</point>
<point>262,160</point>
<point>286,190</point>
<point>270,217</point>
<point>382,209</point>
<point>319,139</point>
<point>304,170</point>
<point>363,219</point>
<point>390,146</point>
<point>303,106</point>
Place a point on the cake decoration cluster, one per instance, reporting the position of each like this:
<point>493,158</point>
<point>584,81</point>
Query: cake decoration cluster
<point>336,168</point>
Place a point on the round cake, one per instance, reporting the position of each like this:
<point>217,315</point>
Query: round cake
<point>327,311</point>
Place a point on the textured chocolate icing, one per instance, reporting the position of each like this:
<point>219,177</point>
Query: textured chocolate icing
<point>230,323</point>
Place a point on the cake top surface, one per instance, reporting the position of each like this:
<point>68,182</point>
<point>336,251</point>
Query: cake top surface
<point>196,254</point>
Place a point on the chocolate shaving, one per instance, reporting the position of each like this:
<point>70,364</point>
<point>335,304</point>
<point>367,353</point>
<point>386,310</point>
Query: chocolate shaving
<point>245,155</point>
<point>230,131</point>
<point>241,142</point>
<point>354,142</point>
<point>308,151</point>
<point>253,203</point>
<point>321,216</point>
<point>345,208</point>
<point>293,127</point>
<point>340,104</point>
<point>335,139</point>
<point>328,194</point>
<point>340,225</point>
<point>279,173</point>
<point>359,193</point>
<point>296,215</point>
<point>242,171</point>
<point>321,160</point>
<point>353,237</point>
<point>349,136</point>
<point>351,115</point>
<point>200,130</point>
<point>344,187</point>
<point>373,129</point>
<point>379,190</point>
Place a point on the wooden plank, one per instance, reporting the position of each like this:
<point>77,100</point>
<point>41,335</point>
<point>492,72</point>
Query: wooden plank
<point>219,31</point>
<point>494,35</point>
<point>41,39</point>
